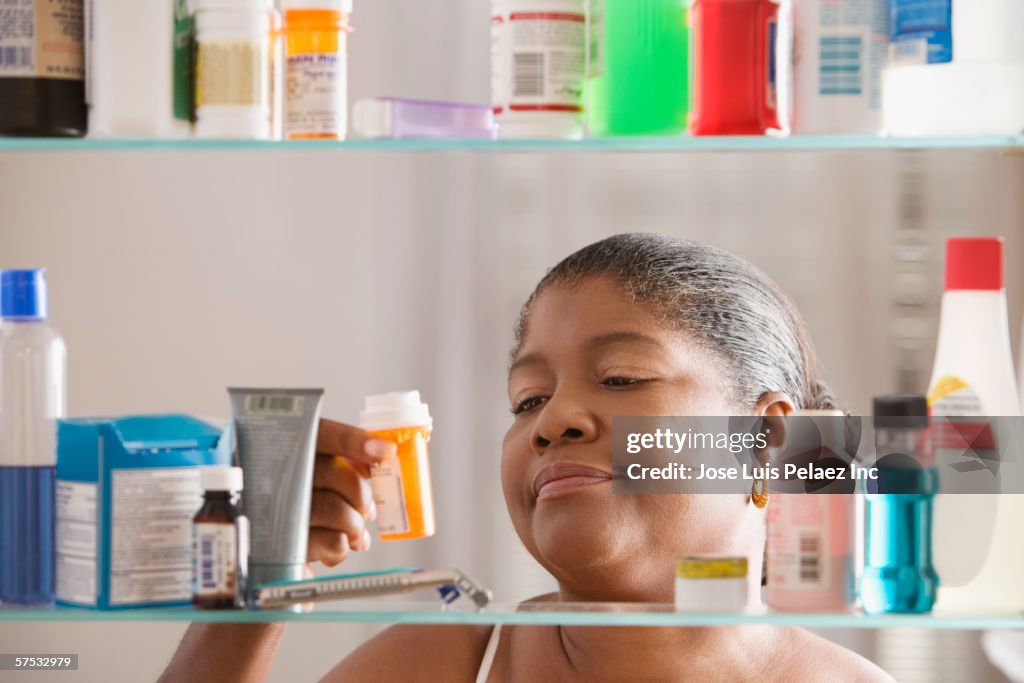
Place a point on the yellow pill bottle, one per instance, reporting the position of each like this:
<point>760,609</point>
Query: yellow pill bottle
<point>401,485</point>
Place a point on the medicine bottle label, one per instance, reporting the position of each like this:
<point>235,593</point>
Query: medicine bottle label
<point>797,537</point>
<point>595,34</point>
<point>921,31</point>
<point>389,497</point>
<point>966,439</point>
<point>965,443</point>
<point>149,550</point>
<point>231,73</point>
<point>215,558</point>
<point>184,70</point>
<point>42,40</point>
<point>772,81</point>
<point>541,60</point>
<point>842,48</point>
<point>953,396</point>
<point>498,76</point>
<point>316,95</point>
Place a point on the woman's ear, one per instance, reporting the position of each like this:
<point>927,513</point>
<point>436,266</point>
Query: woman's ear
<point>773,406</point>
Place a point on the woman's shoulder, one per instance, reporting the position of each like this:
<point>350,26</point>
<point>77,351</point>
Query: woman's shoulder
<point>416,652</point>
<point>809,657</point>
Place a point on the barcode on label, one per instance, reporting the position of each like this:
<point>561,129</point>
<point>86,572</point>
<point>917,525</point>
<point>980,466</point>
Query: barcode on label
<point>841,68</point>
<point>16,56</point>
<point>528,74</point>
<point>810,558</point>
<point>206,553</point>
<point>271,404</point>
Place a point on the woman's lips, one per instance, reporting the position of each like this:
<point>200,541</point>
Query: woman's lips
<point>564,477</point>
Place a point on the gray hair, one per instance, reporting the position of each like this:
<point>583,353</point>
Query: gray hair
<point>726,304</point>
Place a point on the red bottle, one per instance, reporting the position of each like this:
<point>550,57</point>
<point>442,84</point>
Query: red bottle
<point>735,67</point>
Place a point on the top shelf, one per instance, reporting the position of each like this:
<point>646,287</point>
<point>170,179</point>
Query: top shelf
<point>599,145</point>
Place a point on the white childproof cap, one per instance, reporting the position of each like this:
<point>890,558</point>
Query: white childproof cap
<point>334,5</point>
<point>221,478</point>
<point>395,410</point>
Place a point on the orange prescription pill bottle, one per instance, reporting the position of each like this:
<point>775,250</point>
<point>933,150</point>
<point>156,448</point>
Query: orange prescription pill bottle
<point>401,486</point>
<point>316,66</point>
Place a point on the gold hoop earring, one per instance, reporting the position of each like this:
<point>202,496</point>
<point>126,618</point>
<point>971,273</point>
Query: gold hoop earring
<point>759,493</point>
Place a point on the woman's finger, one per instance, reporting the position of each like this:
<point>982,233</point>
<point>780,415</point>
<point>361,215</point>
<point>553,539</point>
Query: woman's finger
<point>349,479</point>
<point>352,443</point>
<point>330,511</point>
<point>327,546</point>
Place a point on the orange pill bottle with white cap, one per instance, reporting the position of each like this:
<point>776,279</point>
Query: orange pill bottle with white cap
<point>401,485</point>
<point>316,69</point>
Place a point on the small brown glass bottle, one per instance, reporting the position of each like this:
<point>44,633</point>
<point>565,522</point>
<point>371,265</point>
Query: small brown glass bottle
<point>220,547</point>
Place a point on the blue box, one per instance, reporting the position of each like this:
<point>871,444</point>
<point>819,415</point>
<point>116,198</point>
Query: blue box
<point>127,490</point>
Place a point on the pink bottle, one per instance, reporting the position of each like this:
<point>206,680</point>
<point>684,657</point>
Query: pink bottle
<point>810,563</point>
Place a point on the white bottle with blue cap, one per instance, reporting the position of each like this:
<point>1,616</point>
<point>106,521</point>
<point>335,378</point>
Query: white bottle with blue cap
<point>32,399</point>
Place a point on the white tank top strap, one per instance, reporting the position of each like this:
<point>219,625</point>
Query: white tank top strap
<point>488,660</point>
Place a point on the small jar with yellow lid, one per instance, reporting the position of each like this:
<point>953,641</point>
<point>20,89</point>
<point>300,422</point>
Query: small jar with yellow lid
<point>711,583</point>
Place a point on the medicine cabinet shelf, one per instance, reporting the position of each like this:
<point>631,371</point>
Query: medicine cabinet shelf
<point>628,144</point>
<point>538,614</point>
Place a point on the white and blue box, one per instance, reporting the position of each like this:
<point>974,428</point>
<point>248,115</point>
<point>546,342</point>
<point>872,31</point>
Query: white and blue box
<point>127,490</point>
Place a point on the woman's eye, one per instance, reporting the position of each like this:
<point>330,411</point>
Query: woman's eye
<point>527,404</point>
<point>622,381</point>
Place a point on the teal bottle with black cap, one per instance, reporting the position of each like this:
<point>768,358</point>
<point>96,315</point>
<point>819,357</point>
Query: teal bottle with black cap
<point>899,577</point>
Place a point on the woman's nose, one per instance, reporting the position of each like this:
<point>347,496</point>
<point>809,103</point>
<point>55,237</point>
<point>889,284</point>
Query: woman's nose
<point>561,421</point>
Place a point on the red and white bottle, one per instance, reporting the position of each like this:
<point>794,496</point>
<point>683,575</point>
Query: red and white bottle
<point>810,558</point>
<point>978,549</point>
<point>538,66</point>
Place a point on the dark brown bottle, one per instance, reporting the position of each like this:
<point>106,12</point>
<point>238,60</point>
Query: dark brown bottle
<point>220,536</point>
<point>42,70</point>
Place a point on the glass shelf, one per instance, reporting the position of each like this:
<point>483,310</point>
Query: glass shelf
<point>626,144</point>
<point>537,614</point>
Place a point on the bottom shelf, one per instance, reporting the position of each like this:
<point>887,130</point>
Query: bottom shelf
<point>536,614</point>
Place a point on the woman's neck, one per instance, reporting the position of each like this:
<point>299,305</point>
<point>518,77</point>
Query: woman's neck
<point>667,653</point>
<point>664,653</point>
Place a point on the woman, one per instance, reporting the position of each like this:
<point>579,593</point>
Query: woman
<point>632,325</point>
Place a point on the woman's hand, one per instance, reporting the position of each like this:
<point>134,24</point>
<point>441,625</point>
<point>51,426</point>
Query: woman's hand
<point>342,498</point>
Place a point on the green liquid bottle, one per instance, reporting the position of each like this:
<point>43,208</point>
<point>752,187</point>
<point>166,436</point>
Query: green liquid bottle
<point>639,75</point>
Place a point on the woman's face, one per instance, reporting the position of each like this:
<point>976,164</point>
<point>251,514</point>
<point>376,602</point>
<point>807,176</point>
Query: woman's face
<point>588,354</point>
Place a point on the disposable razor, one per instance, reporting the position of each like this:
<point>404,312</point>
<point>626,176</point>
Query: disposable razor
<point>451,583</point>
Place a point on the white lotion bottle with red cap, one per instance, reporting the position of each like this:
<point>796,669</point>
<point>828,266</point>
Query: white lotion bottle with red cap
<point>977,539</point>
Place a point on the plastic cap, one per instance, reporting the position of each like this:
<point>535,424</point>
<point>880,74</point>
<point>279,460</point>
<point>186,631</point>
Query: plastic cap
<point>330,5</point>
<point>974,263</point>
<point>23,294</point>
<point>711,567</point>
<point>221,478</point>
<point>372,118</point>
<point>910,411</point>
<point>391,411</point>
<point>206,5</point>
